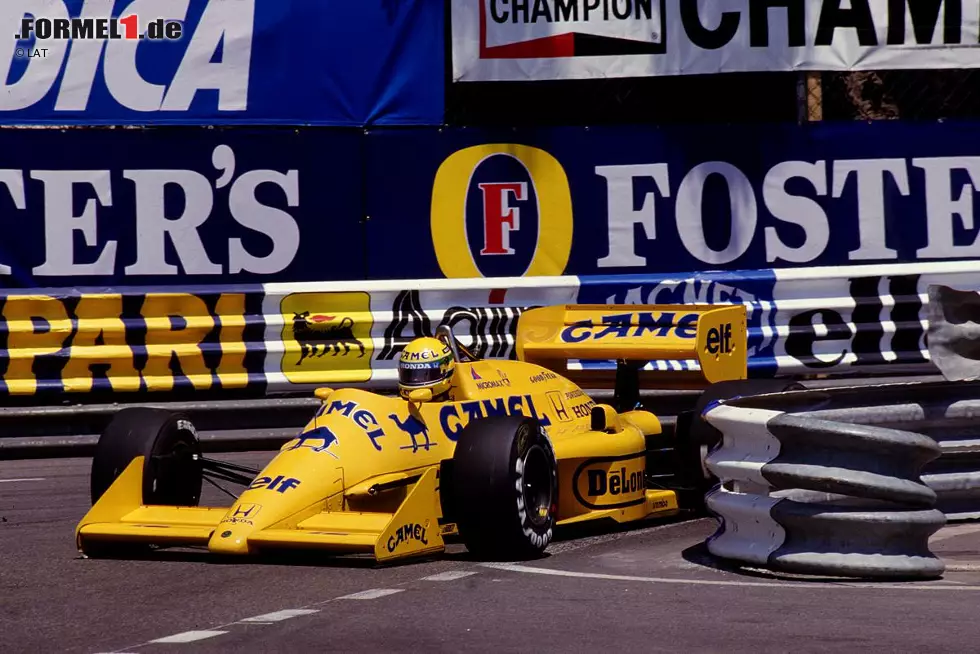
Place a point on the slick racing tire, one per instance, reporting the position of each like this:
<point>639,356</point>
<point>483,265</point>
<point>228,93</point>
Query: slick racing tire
<point>505,487</point>
<point>697,438</point>
<point>172,474</point>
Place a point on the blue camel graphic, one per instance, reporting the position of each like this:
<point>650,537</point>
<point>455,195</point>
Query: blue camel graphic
<point>413,427</point>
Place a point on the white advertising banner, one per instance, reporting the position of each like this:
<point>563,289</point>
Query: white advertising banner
<point>522,40</point>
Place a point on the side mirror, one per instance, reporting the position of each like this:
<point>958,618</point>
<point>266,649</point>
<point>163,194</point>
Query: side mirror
<point>323,393</point>
<point>420,395</point>
<point>604,419</point>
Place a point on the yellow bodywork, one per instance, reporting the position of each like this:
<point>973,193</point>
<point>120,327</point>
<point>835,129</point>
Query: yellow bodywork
<point>363,475</point>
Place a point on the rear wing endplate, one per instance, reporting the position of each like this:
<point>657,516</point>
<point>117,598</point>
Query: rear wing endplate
<point>687,345</point>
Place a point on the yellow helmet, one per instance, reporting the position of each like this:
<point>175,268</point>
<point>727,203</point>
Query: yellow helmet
<point>426,363</point>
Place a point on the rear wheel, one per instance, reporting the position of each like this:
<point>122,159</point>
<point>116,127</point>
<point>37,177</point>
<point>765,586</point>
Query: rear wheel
<point>696,437</point>
<point>172,467</point>
<point>504,486</point>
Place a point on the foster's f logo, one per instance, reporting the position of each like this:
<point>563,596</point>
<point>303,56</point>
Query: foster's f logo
<point>517,198</point>
<point>499,217</point>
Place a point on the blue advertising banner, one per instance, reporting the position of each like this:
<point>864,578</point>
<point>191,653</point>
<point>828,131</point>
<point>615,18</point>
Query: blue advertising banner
<point>295,62</point>
<point>102,207</point>
<point>255,205</point>
<point>644,200</point>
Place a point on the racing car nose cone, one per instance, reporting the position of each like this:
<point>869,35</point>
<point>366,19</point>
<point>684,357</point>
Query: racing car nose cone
<point>229,539</point>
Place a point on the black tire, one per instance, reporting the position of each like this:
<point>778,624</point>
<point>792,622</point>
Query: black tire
<point>504,475</point>
<point>172,475</point>
<point>696,437</point>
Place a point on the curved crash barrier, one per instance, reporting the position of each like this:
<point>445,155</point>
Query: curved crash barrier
<point>812,496</point>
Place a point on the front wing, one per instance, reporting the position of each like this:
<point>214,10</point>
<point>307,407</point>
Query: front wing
<point>119,517</point>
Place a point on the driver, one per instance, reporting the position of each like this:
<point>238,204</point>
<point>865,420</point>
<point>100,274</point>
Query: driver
<point>426,363</point>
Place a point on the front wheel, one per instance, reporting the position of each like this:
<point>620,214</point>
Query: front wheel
<point>172,468</point>
<point>505,487</point>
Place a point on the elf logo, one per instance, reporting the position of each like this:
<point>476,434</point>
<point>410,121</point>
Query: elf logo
<point>279,484</point>
<point>720,339</point>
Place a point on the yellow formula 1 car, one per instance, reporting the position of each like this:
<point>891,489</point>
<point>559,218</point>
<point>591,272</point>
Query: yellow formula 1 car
<point>519,449</point>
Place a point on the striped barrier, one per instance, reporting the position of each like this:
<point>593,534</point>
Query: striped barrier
<point>865,459</point>
<point>285,337</point>
<point>810,496</point>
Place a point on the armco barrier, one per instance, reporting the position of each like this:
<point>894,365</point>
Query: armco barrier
<point>879,517</point>
<point>275,338</point>
<point>847,481</point>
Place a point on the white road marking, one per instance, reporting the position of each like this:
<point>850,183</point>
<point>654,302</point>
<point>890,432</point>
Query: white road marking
<point>10,481</point>
<point>448,576</point>
<point>279,616</point>
<point>514,567</point>
<point>963,567</point>
<point>266,619</point>
<point>189,637</point>
<point>952,531</point>
<point>374,593</point>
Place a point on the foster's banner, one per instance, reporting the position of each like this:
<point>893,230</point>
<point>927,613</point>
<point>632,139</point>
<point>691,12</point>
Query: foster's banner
<point>327,62</point>
<point>166,207</point>
<point>178,207</point>
<point>642,200</point>
<point>522,40</point>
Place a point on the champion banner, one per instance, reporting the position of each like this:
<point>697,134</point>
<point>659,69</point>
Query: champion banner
<point>518,40</point>
<point>221,62</point>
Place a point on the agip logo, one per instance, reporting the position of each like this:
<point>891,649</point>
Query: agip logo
<point>326,337</point>
<point>501,210</point>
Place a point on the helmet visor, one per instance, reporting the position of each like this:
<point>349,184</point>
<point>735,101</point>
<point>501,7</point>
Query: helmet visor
<point>420,373</point>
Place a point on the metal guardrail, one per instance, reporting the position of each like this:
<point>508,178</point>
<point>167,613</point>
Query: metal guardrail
<point>239,425</point>
<point>233,424</point>
<point>863,510</point>
<point>947,412</point>
<point>223,425</point>
<point>846,481</point>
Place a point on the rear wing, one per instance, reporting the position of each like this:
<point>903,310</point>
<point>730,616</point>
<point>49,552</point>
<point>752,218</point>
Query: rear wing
<point>684,345</point>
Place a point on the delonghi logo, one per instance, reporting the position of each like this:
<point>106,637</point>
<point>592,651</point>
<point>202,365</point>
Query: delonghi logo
<point>615,482</point>
<point>215,57</point>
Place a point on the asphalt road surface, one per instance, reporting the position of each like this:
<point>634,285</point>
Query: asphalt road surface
<point>646,589</point>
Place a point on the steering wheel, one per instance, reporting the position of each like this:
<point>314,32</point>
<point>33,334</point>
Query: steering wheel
<point>460,353</point>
